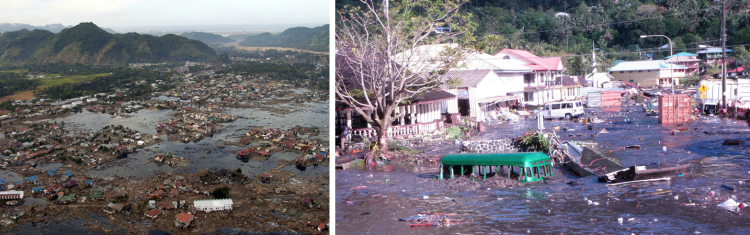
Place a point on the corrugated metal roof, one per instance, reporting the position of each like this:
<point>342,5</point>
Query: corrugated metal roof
<point>486,61</point>
<point>568,80</point>
<point>682,54</point>
<point>469,78</point>
<point>644,65</point>
<point>712,50</point>
<point>539,63</point>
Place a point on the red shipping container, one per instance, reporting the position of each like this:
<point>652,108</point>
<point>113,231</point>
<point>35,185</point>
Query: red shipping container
<point>611,98</point>
<point>674,109</point>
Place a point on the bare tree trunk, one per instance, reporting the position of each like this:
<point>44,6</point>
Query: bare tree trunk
<point>383,136</point>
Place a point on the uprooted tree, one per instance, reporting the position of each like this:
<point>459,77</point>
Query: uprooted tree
<point>386,54</point>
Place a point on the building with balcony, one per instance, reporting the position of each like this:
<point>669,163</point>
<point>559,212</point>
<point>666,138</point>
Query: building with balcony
<point>691,61</point>
<point>541,82</point>
<point>710,55</point>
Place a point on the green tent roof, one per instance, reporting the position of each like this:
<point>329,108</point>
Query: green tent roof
<point>68,197</point>
<point>95,194</point>
<point>493,159</point>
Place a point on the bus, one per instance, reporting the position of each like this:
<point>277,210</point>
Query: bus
<point>524,167</point>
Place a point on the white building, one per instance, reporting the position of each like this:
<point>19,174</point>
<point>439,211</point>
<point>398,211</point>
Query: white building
<point>598,79</point>
<point>479,85</point>
<point>539,85</point>
<point>11,195</point>
<point>213,205</point>
<point>480,92</point>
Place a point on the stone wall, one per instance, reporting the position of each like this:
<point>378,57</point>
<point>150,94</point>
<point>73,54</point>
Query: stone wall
<point>489,146</point>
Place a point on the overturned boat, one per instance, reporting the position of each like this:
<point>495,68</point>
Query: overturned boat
<point>585,162</point>
<point>650,171</point>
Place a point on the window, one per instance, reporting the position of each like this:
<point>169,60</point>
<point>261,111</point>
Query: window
<point>528,96</point>
<point>567,105</point>
<point>578,104</point>
<point>640,71</point>
<point>622,71</point>
<point>630,71</point>
<point>555,106</point>
<point>631,80</point>
<point>528,172</point>
<point>528,78</point>
<point>536,172</point>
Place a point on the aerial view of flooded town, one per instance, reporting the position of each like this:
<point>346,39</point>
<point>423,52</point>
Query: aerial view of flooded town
<point>164,130</point>
<point>534,117</point>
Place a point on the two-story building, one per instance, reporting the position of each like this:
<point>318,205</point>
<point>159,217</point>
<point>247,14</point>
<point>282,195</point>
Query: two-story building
<point>688,60</point>
<point>647,73</point>
<point>540,83</point>
<point>711,55</point>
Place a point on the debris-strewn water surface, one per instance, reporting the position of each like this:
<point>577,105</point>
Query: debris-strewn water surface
<point>372,199</point>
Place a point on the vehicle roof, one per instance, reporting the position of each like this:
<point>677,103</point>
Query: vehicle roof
<point>501,159</point>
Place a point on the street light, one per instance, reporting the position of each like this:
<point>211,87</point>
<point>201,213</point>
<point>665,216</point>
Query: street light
<point>671,76</point>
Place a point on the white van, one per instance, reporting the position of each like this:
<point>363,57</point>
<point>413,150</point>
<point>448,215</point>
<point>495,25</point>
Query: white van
<point>563,109</point>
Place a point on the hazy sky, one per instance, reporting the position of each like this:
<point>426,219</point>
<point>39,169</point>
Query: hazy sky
<point>137,14</point>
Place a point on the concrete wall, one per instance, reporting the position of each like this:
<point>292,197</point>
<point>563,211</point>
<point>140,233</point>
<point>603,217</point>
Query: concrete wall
<point>490,146</point>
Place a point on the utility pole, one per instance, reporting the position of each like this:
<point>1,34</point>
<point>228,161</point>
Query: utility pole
<point>723,55</point>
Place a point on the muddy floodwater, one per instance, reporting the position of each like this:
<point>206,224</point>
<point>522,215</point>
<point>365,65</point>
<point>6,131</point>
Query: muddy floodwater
<point>685,205</point>
<point>203,154</point>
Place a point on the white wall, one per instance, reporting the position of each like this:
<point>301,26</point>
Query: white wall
<point>512,82</point>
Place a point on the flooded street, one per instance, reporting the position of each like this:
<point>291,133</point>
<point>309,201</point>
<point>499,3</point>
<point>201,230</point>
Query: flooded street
<point>687,204</point>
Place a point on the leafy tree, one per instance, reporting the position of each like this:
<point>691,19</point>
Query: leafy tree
<point>222,192</point>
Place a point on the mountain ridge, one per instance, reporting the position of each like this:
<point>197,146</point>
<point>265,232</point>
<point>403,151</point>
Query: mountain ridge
<point>313,39</point>
<point>87,43</point>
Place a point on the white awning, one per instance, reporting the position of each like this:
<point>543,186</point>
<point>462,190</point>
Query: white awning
<point>502,98</point>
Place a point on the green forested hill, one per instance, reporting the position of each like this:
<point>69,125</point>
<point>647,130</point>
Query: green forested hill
<point>208,38</point>
<point>313,39</point>
<point>569,28</point>
<point>86,43</point>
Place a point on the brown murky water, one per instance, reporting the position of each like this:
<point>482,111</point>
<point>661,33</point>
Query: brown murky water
<point>687,204</point>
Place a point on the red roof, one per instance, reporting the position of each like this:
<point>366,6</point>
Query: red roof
<point>153,213</point>
<point>521,53</point>
<point>740,69</point>
<point>549,63</point>
<point>538,63</point>
<point>184,217</point>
